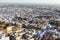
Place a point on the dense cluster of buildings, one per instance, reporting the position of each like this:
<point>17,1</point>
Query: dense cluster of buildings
<point>21,23</point>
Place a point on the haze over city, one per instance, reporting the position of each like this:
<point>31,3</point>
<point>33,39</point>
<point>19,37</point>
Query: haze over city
<point>32,1</point>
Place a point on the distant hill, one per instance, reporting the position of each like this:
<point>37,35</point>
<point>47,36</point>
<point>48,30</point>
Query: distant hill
<point>27,5</point>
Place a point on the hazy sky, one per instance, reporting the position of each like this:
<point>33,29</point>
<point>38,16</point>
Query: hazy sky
<point>32,1</point>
